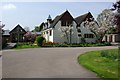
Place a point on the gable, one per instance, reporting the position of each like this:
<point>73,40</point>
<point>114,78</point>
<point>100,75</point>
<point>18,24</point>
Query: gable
<point>18,28</point>
<point>83,17</point>
<point>67,17</point>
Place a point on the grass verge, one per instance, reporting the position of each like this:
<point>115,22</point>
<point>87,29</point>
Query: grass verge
<point>25,45</point>
<point>105,67</point>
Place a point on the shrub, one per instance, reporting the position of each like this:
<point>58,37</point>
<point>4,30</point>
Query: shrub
<point>40,40</point>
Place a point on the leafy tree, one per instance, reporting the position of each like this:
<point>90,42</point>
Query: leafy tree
<point>40,40</point>
<point>102,25</point>
<point>38,28</point>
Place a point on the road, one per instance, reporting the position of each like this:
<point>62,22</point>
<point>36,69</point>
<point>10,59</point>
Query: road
<point>46,63</point>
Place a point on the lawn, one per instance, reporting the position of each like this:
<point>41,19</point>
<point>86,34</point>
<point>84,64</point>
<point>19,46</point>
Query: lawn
<point>25,45</point>
<point>103,63</point>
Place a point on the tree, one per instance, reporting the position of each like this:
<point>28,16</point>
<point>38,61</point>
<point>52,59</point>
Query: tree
<point>1,32</point>
<point>40,40</point>
<point>38,28</point>
<point>116,7</point>
<point>1,26</point>
<point>102,25</point>
<point>67,32</point>
<point>29,37</point>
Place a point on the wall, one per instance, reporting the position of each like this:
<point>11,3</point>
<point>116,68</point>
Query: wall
<point>85,30</point>
<point>47,37</point>
<point>58,34</point>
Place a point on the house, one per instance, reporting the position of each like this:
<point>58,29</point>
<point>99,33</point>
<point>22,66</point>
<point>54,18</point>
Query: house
<point>51,29</point>
<point>17,34</point>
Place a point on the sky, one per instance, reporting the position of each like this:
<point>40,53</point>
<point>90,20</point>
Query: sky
<point>30,14</point>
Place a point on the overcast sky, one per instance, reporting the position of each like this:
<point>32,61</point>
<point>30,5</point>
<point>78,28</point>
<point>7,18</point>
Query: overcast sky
<point>34,13</point>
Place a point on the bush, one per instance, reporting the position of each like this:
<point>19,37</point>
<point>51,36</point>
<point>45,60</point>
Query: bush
<point>40,40</point>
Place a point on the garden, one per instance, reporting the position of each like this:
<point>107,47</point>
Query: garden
<point>40,42</point>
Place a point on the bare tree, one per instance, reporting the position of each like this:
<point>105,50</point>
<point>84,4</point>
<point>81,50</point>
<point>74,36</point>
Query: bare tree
<point>1,26</point>
<point>67,32</point>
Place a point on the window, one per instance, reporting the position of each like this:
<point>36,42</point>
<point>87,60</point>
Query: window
<point>78,30</point>
<point>79,35</point>
<point>88,36</point>
<point>50,32</point>
<point>65,23</point>
<point>46,32</point>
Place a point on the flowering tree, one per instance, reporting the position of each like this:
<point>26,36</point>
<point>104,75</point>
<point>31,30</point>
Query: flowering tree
<point>102,25</point>
<point>66,32</point>
<point>30,37</point>
<point>116,7</point>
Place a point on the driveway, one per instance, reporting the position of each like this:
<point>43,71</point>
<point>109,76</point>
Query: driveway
<point>46,63</point>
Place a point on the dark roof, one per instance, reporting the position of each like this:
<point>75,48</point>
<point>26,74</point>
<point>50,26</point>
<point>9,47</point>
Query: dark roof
<point>16,27</point>
<point>55,21</point>
<point>78,19</point>
<point>57,18</point>
<point>6,32</point>
<point>83,17</point>
<point>49,17</point>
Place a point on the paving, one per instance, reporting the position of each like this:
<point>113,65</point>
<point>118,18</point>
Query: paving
<point>46,63</point>
<point>10,45</point>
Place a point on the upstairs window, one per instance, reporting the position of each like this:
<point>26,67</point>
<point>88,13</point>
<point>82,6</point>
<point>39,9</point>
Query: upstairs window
<point>65,23</point>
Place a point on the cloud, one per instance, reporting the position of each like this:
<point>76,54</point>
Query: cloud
<point>9,7</point>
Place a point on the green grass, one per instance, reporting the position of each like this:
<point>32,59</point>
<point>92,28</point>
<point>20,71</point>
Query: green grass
<point>104,67</point>
<point>25,45</point>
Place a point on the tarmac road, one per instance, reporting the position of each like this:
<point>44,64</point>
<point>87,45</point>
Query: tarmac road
<point>46,63</point>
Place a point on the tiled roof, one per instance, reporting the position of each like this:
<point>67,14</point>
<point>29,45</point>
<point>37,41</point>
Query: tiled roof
<point>6,32</point>
<point>56,19</point>
<point>78,19</point>
<point>81,18</point>
<point>16,27</point>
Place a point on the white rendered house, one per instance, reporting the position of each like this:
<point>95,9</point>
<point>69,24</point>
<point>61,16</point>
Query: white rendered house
<point>52,33</point>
